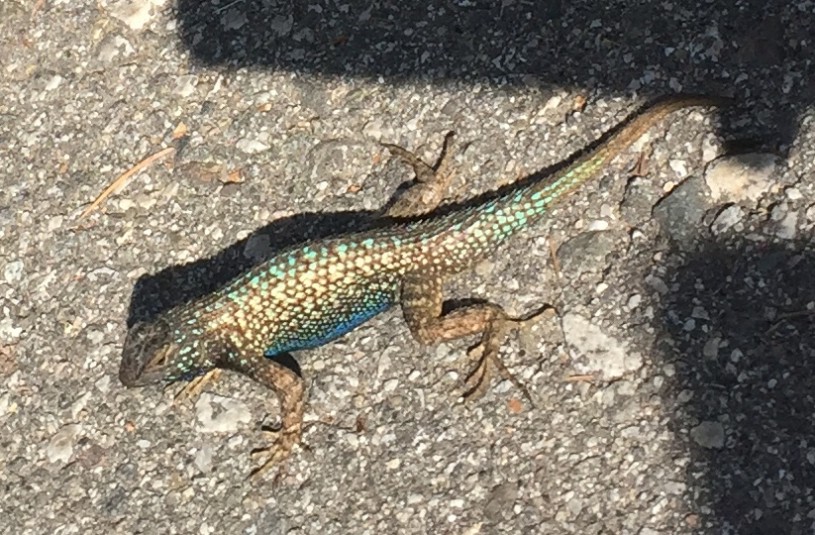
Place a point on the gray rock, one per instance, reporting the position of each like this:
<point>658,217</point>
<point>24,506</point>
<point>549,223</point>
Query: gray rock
<point>708,434</point>
<point>586,252</point>
<point>61,446</point>
<point>500,501</point>
<point>680,212</point>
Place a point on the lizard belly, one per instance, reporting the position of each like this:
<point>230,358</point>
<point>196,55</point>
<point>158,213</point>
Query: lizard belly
<point>321,322</point>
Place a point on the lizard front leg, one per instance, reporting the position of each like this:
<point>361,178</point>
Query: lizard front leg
<point>290,391</point>
<point>193,389</point>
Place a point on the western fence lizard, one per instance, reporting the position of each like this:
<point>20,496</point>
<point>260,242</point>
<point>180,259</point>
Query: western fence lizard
<point>308,295</point>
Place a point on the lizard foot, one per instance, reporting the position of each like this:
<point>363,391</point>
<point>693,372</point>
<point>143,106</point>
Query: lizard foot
<point>283,441</point>
<point>431,183</point>
<point>486,352</point>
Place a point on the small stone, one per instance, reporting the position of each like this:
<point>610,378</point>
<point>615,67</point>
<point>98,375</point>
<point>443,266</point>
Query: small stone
<point>185,85</point>
<point>203,458</point>
<point>727,218</point>
<point>787,226</point>
<point>8,330</point>
<point>711,348</point>
<point>113,46</point>
<point>708,434</point>
<point>574,506</point>
<point>252,146</point>
<point>657,284</point>
<point>746,177</point>
<point>680,167</point>
<point>680,212</point>
<point>595,351</point>
<point>13,273</point>
<point>390,385</point>
<point>736,355</point>
<point>55,223</point>
<point>684,396</point>
<point>282,25</point>
<point>658,382</point>
<point>234,412</point>
<point>374,129</point>
<point>136,14</point>
<point>54,82</point>
<point>597,225</point>
<point>500,501</point>
<point>793,193</point>
<point>234,19</point>
<point>586,252</point>
<point>633,301</point>
<point>61,446</point>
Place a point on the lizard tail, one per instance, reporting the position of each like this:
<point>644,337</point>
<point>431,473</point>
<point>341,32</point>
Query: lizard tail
<point>474,231</point>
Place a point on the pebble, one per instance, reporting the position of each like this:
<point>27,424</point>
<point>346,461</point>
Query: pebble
<point>708,434</point>
<point>596,351</point>
<point>234,413</point>
<point>746,177</point>
<point>61,446</point>
<point>727,219</point>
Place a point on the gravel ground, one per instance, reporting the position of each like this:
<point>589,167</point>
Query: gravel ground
<point>673,393</point>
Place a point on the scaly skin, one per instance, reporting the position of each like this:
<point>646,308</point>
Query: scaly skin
<point>311,294</point>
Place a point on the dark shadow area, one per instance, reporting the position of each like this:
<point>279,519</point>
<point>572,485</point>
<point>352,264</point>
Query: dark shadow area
<point>756,51</point>
<point>740,329</point>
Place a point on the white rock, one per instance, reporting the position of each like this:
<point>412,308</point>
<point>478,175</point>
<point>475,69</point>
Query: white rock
<point>234,412</point>
<point>61,446</point>
<point>741,178</point>
<point>595,351</point>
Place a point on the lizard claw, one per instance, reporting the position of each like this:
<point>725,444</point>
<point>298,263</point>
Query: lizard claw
<point>274,454</point>
<point>478,380</point>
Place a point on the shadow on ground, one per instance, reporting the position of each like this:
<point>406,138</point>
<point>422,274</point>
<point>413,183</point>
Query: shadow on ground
<point>740,330</point>
<point>755,50</point>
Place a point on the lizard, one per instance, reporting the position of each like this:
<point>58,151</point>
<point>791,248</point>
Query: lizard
<point>312,293</point>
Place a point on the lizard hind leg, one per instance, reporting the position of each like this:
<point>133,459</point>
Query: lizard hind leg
<point>422,308</point>
<point>431,184</point>
<point>486,352</point>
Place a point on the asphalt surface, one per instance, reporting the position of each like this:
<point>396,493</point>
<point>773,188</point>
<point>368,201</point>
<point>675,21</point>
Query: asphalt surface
<point>672,393</point>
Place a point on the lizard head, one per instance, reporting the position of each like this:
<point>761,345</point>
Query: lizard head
<point>150,354</point>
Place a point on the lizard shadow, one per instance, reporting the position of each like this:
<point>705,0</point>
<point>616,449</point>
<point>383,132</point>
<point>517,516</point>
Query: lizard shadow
<point>158,292</point>
<point>739,330</point>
